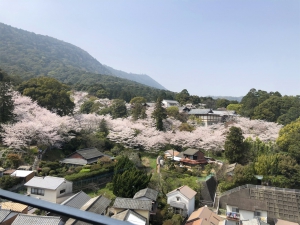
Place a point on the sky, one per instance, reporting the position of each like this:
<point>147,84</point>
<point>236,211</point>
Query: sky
<point>209,47</point>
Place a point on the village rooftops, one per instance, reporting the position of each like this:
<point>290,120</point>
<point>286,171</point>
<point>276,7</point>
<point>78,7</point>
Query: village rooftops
<point>6,215</point>
<point>22,219</point>
<point>148,193</point>
<point>129,203</point>
<point>186,191</point>
<point>51,183</point>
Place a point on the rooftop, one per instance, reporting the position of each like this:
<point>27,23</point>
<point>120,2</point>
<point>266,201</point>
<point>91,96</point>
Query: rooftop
<point>13,206</point>
<point>190,151</point>
<point>21,173</point>
<point>47,182</point>
<point>89,153</point>
<point>206,214</point>
<point>185,190</point>
<point>129,203</point>
<point>148,193</point>
<point>130,216</point>
<point>22,219</point>
<point>77,200</point>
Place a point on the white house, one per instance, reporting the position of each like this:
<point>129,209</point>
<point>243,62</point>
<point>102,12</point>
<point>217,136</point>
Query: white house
<point>51,189</point>
<point>182,200</point>
<point>233,212</point>
<point>168,103</point>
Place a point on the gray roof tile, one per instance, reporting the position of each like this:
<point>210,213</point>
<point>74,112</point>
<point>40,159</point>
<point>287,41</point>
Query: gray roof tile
<point>77,200</point>
<point>47,182</point>
<point>148,193</point>
<point>129,203</point>
<point>3,214</point>
<point>22,219</point>
<point>190,151</point>
<point>124,216</point>
<point>89,153</point>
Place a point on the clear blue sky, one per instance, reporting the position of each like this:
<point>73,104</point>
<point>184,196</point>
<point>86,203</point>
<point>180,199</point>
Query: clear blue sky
<point>209,47</point>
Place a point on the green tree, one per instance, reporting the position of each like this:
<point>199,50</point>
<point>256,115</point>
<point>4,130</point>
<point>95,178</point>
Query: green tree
<point>6,103</point>
<point>138,108</point>
<point>118,109</point>
<point>86,107</point>
<point>289,139</point>
<point>186,127</point>
<point>234,146</point>
<point>173,111</point>
<point>128,179</point>
<point>159,114</point>
<point>244,175</point>
<point>49,93</point>
<point>183,97</point>
<point>235,107</point>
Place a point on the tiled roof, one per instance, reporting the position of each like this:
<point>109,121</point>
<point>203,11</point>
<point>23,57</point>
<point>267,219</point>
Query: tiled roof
<point>74,161</point>
<point>185,190</point>
<point>171,101</point>
<point>47,182</point>
<point>23,219</point>
<point>194,162</point>
<point>96,205</point>
<point>199,111</point>
<point>190,151</point>
<point>3,214</point>
<point>13,206</point>
<point>130,216</point>
<point>89,153</point>
<point>171,151</point>
<point>77,200</point>
<point>129,203</point>
<point>206,214</point>
<point>148,193</point>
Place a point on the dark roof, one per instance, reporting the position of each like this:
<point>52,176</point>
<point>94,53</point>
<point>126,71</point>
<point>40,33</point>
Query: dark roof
<point>89,153</point>
<point>22,219</point>
<point>77,200</point>
<point>148,193</point>
<point>190,151</point>
<point>129,203</point>
<point>96,205</point>
<point>74,161</point>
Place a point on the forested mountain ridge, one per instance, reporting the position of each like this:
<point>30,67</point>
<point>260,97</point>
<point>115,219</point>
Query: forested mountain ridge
<point>29,55</point>
<point>140,78</point>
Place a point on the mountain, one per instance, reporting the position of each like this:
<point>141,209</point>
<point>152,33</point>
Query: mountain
<point>140,78</point>
<point>29,55</point>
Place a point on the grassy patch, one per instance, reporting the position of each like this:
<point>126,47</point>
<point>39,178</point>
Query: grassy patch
<point>103,190</point>
<point>149,161</point>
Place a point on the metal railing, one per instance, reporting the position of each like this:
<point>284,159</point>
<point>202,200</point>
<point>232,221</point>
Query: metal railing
<point>63,210</point>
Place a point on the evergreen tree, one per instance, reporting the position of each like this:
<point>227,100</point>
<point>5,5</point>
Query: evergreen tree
<point>234,146</point>
<point>159,114</point>
<point>118,109</point>
<point>6,103</point>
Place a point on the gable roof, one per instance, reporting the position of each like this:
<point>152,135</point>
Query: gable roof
<point>148,193</point>
<point>89,153</point>
<point>185,190</point>
<point>47,182</point>
<point>77,200</point>
<point>6,215</point>
<point>200,111</point>
<point>74,161</point>
<point>129,203</point>
<point>206,214</point>
<point>13,206</point>
<point>171,151</point>
<point>130,216</point>
<point>96,205</point>
<point>21,173</point>
<point>22,219</point>
<point>190,151</point>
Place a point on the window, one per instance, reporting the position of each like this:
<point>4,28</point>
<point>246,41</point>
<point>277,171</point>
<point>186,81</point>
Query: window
<point>62,191</point>
<point>37,191</point>
<point>235,209</point>
<point>256,213</point>
<point>178,198</point>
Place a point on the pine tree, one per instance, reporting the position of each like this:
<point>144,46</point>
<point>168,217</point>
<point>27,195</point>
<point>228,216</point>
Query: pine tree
<point>159,114</point>
<point>6,103</point>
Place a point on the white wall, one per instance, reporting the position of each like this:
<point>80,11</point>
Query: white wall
<point>190,204</point>
<point>245,214</point>
<point>67,185</point>
<point>49,195</point>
